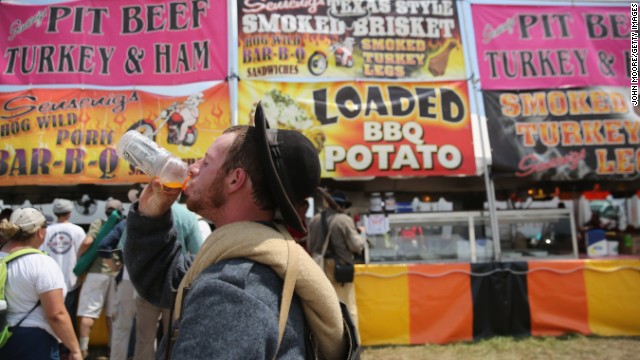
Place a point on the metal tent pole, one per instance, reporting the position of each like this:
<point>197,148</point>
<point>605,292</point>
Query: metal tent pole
<point>232,77</point>
<point>464,10</point>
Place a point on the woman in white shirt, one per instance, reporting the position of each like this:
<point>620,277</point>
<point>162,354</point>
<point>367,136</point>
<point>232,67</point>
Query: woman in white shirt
<point>32,278</point>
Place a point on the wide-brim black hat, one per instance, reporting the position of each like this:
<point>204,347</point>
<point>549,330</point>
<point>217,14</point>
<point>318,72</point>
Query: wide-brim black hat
<point>292,165</point>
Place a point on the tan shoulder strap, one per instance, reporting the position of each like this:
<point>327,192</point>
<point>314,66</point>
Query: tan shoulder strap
<point>325,245</point>
<point>287,289</point>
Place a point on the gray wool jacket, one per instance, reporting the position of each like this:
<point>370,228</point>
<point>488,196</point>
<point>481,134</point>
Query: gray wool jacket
<point>232,309</point>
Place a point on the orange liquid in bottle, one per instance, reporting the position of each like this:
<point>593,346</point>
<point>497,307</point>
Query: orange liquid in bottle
<point>173,185</point>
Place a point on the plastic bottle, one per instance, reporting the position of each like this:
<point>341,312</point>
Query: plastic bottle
<point>143,153</point>
<point>389,202</point>
<point>375,203</point>
<point>415,204</point>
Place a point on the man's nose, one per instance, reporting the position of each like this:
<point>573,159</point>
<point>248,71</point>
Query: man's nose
<point>194,169</point>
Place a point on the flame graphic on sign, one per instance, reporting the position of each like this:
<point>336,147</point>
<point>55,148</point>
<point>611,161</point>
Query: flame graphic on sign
<point>84,117</point>
<point>120,119</point>
<point>216,112</point>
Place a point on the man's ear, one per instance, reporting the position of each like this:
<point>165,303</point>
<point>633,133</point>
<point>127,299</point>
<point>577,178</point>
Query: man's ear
<point>236,179</point>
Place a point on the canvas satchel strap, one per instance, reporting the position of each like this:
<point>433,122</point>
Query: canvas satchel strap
<point>326,229</point>
<point>317,296</point>
<point>287,289</point>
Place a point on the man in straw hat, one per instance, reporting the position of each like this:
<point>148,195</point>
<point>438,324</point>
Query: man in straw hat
<point>251,292</point>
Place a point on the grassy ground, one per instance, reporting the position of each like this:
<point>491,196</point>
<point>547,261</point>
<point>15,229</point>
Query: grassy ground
<point>573,347</point>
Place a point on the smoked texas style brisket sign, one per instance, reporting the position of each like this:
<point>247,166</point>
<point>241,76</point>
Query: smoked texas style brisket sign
<point>368,129</point>
<point>119,42</point>
<point>374,39</point>
<point>68,136</point>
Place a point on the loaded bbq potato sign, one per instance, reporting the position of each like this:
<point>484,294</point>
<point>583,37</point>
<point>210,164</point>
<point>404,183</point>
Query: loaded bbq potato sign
<point>373,129</point>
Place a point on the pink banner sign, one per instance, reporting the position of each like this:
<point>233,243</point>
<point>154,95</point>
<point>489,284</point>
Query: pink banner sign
<point>119,42</point>
<point>530,47</point>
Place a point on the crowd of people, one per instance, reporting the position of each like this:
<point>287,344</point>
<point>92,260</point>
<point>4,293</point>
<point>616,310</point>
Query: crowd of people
<point>251,292</point>
<point>103,284</point>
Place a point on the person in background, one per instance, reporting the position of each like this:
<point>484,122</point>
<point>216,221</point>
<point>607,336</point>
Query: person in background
<point>187,228</point>
<point>562,232</point>
<point>98,288</point>
<point>190,236</point>
<point>344,242</point>
<point>125,309</point>
<point>232,308</point>
<point>5,214</point>
<point>595,222</point>
<point>62,243</point>
<point>34,290</point>
<point>205,227</point>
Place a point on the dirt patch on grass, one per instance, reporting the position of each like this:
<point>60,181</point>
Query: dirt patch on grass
<point>506,348</point>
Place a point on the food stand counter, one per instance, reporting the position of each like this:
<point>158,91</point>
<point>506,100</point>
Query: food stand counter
<point>466,236</point>
<point>439,290</point>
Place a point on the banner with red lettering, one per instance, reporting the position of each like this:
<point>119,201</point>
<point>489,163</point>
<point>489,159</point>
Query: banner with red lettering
<point>373,39</point>
<point>366,129</point>
<point>564,134</point>
<point>117,42</point>
<point>68,137</point>
<point>544,47</point>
